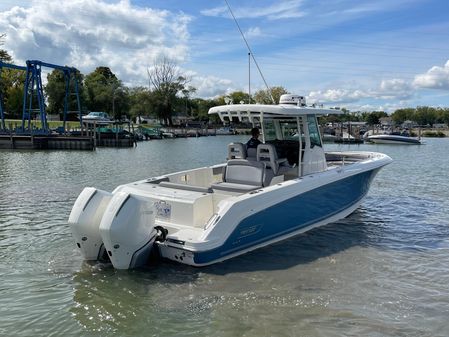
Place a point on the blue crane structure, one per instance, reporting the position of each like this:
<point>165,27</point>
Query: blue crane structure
<point>33,93</point>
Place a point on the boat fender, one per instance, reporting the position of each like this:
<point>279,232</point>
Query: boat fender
<point>162,233</point>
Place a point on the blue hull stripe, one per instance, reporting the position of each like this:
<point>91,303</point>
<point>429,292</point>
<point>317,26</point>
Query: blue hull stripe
<point>291,215</point>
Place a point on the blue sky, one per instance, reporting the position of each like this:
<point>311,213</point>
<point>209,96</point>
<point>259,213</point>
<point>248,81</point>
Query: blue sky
<point>362,55</point>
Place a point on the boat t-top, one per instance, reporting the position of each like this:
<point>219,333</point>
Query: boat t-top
<point>286,186</point>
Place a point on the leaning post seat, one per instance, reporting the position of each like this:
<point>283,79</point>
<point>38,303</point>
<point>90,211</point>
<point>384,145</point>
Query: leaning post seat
<point>267,154</point>
<point>242,176</point>
<point>236,151</point>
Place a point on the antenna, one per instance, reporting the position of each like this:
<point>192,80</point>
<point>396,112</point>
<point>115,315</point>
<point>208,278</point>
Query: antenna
<point>250,52</point>
<point>249,78</point>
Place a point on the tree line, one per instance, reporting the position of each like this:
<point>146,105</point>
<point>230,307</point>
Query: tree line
<point>421,115</point>
<point>168,93</point>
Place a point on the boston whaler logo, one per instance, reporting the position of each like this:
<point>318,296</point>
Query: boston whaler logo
<point>163,209</point>
<point>247,231</point>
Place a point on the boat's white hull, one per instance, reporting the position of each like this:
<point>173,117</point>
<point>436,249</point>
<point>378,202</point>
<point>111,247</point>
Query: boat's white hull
<point>393,139</point>
<point>276,214</point>
<point>188,257</point>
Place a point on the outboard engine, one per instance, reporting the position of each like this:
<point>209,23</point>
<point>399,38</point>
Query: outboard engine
<point>127,230</point>
<point>84,221</point>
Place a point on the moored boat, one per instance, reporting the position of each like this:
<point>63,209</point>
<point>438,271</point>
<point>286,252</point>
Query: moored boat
<point>226,130</point>
<point>97,117</point>
<point>393,138</point>
<point>286,186</point>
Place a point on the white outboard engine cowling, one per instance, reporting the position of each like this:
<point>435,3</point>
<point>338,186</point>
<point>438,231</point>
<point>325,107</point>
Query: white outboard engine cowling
<point>84,221</point>
<point>127,230</point>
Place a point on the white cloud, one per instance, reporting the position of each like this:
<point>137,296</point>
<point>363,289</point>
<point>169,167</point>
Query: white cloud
<point>395,89</point>
<point>392,89</point>
<point>336,96</point>
<point>435,78</point>
<point>212,86</point>
<point>278,10</point>
<point>253,32</point>
<point>89,33</point>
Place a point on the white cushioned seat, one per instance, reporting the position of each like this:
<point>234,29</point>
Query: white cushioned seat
<point>242,175</point>
<point>236,151</point>
<point>267,154</point>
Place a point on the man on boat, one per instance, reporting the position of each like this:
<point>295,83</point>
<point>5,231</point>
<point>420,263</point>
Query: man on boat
<point>254,141</point>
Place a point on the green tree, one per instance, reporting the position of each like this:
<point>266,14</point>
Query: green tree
<point>4,55</point>
<point>12,81</point>
<point>263,96</point>
<point>425,115</point>
<point>166,81</point>
<point>55,91</point>
<point>11,85</point>
<point>104,92</point>
<point>442,115</point>
<point>187,93</point>
<point>402,115</point>
<point>139,102</point>
<point>373,118</point>
<point>200,109</point>
<point>237,97</point>
<point>14,100</point>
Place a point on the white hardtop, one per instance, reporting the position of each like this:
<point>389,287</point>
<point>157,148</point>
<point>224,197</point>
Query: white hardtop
<point>267,111</point>
<point>290,106</point>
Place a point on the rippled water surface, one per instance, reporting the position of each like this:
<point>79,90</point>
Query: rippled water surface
<point>383,271</point>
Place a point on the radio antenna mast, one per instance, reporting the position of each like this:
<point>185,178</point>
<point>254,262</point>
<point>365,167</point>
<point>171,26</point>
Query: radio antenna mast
<point>250,52</point>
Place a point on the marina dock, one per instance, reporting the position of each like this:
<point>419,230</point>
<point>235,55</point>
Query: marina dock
<point>62,142</point>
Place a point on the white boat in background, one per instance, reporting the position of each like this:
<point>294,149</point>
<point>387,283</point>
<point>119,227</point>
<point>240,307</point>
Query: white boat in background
<point>329,138</point>
<point>226,130</point>
<point>209,214</point>
<point>392,138</point>
<point>97,117</point>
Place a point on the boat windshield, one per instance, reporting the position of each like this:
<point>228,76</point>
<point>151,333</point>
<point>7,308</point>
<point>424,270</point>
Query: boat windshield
<point>315,139</point>
<point>280,130</point>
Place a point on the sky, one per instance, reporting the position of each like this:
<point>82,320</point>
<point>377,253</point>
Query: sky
<point>358,54</point>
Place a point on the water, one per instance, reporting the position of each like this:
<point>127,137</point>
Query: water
<point>383,271</point>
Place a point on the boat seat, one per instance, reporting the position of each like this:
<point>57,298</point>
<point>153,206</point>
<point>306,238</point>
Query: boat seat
<point>251,153</point>
<point>231,187</point>
<point>236,151</point>
<point>266,153</point>
<point>185,187</point>
<point>242,175</point>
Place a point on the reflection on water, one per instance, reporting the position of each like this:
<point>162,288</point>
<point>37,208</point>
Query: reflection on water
<point>382,271</point>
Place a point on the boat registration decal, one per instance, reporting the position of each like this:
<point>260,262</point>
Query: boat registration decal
<point>163,209</point>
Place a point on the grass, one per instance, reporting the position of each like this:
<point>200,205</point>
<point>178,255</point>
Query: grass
<point>13,123</point>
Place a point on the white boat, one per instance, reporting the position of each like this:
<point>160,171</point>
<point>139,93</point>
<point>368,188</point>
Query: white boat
<point>209,214</point>
<point>226,130</point>
<point>96,117</point>
<point>168,134</point>
<point>393,138</point>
